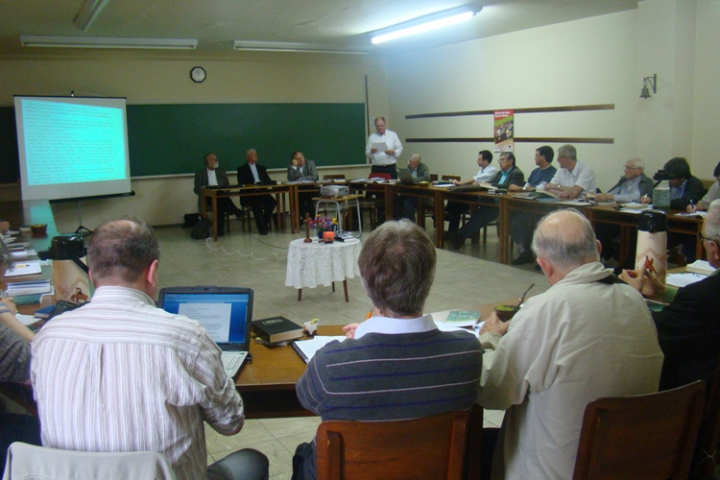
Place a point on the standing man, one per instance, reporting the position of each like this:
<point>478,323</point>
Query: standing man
<point>712,194</point>
<point>588,336</point>
<point>574,178</point>
<point>407,204</point>
<point>486,173</point>
<point>298,170</point>
<point>688,327</point>
<point>214,176</point>
<point>396,365</point>
<point>508,175</point>
<point>262,205</point>
<point>383,149</point>
<point>121,375</point>
<point>522,224</point>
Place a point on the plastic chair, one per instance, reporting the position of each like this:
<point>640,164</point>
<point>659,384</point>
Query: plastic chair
<point>422,448</point>
<point>30,461</point>
<point>642,436</point>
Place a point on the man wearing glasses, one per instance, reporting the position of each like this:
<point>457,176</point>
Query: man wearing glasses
<point>633,185</point>
<point>688,328</point>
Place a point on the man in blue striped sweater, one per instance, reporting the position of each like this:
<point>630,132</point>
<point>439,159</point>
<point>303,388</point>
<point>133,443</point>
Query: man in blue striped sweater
<point>396,365</point>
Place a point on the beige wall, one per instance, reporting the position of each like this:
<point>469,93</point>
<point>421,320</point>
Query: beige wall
<point>152,78</point>
<point>591,61</point>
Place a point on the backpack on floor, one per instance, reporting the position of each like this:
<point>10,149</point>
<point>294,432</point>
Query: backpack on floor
<point>201,230</point>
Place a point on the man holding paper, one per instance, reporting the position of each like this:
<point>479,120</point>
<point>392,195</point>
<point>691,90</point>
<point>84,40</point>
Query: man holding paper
<point>433,372</point>
<point>383,149</point>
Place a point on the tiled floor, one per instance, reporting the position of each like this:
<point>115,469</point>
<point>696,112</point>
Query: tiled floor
<point>463,280</point>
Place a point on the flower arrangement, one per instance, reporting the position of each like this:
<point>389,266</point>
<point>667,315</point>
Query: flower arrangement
<point>321,224</point>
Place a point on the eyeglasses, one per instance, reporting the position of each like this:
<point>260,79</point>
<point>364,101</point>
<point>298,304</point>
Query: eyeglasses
<point>631,168</point>
<point>705,239</point>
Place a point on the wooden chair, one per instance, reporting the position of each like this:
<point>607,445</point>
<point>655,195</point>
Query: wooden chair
<point>433,177</point>
<point>706,451</point>
<point>423,448</point>
<point>373,201</point>
<point>642,436</point>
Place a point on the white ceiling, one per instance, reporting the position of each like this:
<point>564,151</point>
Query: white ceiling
<point>216,23</point>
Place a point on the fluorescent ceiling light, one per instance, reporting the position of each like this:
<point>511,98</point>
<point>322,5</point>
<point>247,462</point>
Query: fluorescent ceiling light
<point>88,13</point>
<point>259,46</point>
<point>426,23</point>
<point>108,42</point>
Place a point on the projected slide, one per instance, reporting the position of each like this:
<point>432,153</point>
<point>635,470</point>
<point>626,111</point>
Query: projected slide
<point>72,147</point>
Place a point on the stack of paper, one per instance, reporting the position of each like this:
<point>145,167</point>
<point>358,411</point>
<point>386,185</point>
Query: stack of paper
<point>700,266</point>
<point>22,269</point>
<point>28,288</point>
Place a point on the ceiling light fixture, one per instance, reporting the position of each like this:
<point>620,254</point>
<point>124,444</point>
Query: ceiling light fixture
<point>108,42</point>
<point>426,23</point>
<point>88,13</point>
<point>645,92</point>
<point>259,46</point>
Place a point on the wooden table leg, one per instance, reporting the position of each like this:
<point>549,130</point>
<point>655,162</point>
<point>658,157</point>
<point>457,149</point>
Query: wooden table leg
<point>299,294</point>
<point>347,299</point>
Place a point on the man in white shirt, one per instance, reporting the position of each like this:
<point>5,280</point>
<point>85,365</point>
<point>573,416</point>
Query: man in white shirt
<point>574,178</point>
<point>486,173</point>
<point>121,375</point>
<point>588,336</point>
<point>383,161</point>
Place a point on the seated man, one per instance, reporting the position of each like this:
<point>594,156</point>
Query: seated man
<point>262,205</point>
<point>522,224</point>
<point>396,365</point>
<point>485,174</point>
<point>688,327</point>
<point>633,186</point>
<point>121,375</point>
<point>685,189</point>
<point>712,194</point>
<point>574,178</point>
<point>212,175</point>
<point>588,336</point>
<point>508,175</point>
<point>405,205</point>
<point>301,169</point>
<point>15,341</point>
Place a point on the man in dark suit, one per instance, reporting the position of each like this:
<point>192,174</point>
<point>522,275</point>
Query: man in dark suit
<point>508,175</point>
<point>262,205</point>
<point>212,175</point>
<point>303,170</point>
<point>688,328</point>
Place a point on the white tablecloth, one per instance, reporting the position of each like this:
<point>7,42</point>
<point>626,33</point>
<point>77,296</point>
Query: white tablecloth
<point>313,264</point>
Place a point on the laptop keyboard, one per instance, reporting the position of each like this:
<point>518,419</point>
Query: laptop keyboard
<point>231,362</point>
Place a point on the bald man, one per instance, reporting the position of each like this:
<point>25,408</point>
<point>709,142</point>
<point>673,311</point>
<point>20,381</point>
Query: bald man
<point>588,336</point>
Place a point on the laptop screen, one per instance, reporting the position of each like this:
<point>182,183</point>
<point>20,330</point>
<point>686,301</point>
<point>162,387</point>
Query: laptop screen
<point>225,313</point>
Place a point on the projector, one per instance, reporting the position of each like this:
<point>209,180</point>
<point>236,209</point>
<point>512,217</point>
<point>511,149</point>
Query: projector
<point>334,191</point>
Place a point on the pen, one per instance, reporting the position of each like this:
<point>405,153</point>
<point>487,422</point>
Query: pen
<point>644,197</point>
<point>369,315</point>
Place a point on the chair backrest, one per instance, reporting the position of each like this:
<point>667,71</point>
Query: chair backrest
<point>642,436</point>
<point>450,178</point>
<point>29,461</point>
<point>422,448</point>
<point>334,177</point>
<point>384,176</point>
<point>709,436</point>
<point>433,177</point>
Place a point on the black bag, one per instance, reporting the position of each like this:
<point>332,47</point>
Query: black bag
<point>191,219</point>
<point>201,230</point>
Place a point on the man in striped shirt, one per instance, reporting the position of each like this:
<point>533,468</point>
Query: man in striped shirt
<point>396,365</point>
<point>120,375</point>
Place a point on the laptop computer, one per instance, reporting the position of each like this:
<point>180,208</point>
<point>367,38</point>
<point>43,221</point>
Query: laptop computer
<point>225,312</point>
<point>405,177</point>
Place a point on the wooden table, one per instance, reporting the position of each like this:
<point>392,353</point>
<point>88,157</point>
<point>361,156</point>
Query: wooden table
<point>249,191</point>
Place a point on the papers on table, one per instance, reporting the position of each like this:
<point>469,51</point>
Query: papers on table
<point>702,267</point>
<point>28,288</point>
<point>31,267</point>
<point>575,203</point>
<point>683,279</point>
<point>307,348</point>
<point>26,319</point>
<point>687,214</point>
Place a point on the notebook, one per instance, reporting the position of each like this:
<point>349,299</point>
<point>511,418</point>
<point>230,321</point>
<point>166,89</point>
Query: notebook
<point>225,312</point>
<point>405,177</point>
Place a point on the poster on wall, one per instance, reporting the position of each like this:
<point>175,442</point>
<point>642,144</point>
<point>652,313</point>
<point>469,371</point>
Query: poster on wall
<point>504,130</point>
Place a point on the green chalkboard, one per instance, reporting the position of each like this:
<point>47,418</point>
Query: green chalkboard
<point>173,139</point>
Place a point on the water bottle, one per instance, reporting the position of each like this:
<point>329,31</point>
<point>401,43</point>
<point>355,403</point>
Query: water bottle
<point>70,274</point>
